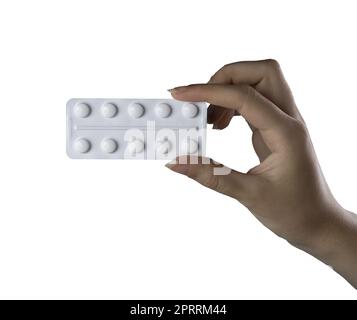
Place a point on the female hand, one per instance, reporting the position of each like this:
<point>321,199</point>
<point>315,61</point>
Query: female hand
<point>287,191</point>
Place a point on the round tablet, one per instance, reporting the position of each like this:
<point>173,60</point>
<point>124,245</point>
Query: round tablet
<point>136,110</point>
<point>136,146</point>
<point>189,110</point>
<point>109,110</point>
<point>82,145</point>
<point>82,110</point>
<point>163,147</point>
<point>189,146</point>
<point>109,145</point>
<point>163,110</point>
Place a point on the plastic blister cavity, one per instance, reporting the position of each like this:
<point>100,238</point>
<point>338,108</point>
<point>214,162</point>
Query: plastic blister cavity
<point>135,128</point>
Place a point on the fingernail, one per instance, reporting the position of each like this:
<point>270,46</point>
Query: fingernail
<point>177,89</point>
<point>182,169</point>
<point>171,163</point>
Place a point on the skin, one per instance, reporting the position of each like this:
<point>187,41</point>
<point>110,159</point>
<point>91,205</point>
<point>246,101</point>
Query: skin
<point>287,191</point>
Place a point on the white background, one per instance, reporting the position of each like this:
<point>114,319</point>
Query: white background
<point>133,229</point>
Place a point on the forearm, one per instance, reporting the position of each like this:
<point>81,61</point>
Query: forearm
<point>336,244</point>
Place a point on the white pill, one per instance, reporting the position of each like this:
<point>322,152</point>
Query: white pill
<point>82,145</point>
<point>189,110</point>
<point>163,110</point>
<point>109,110</point>
<point>163,147</point>
<point>189,146</point>
<point>136,146</point>
<point>109,145</point>
<point>82,110</point>
<point>136,110</point>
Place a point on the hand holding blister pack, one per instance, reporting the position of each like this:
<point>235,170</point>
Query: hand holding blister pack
<point>135,128</point>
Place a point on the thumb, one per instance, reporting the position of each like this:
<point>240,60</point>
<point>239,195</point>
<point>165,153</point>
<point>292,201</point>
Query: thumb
<point>215,176</point>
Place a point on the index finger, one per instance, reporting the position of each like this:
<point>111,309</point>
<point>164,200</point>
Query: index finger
<point>255,108</point>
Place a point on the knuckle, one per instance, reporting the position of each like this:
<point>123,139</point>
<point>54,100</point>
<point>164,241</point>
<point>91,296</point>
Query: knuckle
<point>272,66</point>
<point>226,68</point>
<point>213,78</point>
<point>219,74</point>
<point>224,72</point>
<point>272,63</point>
<point>211,181</point>
<point>296,131</point>
<point>299,127</point>
<point>244,93</point>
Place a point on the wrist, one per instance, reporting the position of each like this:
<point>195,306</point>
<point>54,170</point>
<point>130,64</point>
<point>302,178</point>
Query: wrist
<point>335,242</point>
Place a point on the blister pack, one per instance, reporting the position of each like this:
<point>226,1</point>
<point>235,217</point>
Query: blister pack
<point>135,128</point>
